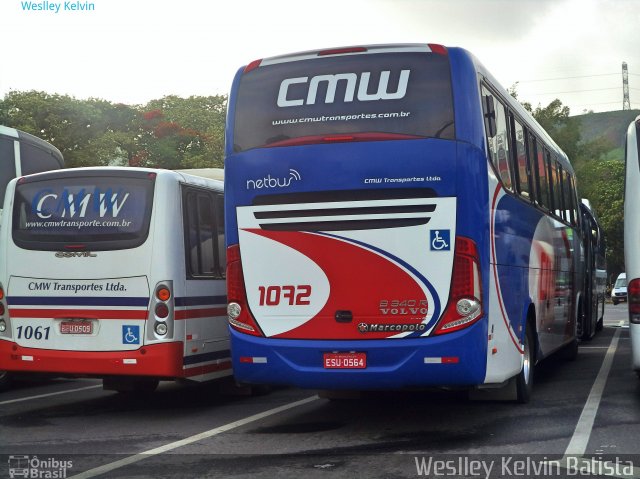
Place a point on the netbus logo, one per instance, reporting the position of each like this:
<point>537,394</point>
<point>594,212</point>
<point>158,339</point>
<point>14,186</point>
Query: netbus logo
<point>352,80</point>
<point>271,182</point>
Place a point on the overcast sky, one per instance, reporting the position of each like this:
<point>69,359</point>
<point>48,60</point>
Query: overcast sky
<point>132,51</point>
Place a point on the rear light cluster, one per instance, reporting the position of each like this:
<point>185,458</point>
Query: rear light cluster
<point>465,298</point>
<point>237,310</point>
<point>633,298</point>
<point>3,310</point>
<point>163,306</point>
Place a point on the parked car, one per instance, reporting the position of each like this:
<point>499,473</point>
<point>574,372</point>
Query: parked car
<point>619,290</point>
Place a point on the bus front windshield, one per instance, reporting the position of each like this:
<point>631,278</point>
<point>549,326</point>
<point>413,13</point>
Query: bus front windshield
<point>391,95</point>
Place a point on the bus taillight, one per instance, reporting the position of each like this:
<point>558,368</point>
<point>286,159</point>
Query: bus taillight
<point>633,297</point>
<point>163,307</point>
<point>465,298</point>
<point>237,309</point>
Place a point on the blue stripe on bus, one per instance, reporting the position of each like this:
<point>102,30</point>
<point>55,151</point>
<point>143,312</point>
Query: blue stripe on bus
<point>76,301</point>
<point>200,300</point>
<point>201,358</point>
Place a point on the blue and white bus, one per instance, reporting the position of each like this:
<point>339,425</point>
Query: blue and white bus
<point>394,219</point>
<point>595,273</point>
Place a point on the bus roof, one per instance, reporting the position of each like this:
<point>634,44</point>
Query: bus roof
<point>25,137</point>
<point>211,173</point>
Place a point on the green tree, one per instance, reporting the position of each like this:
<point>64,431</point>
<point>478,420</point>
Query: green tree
<point>194,125</point>
<point>602,182</point>
<point>564,130</point>
<point>87,132</point>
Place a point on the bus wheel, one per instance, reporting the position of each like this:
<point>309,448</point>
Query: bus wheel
<point>5,380</point>
<point>524,380</point>
<point>570,352</point>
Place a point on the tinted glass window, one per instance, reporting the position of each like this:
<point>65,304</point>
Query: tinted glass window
<point>204,233</point>
<point>567,192</point>
<point>35,160</point>
<point>101,212</point>
<point>522,164</point>
<point>7,165</point>
<point>390,93</point>
<point>556,174</point>
<point>542,177</point>
<point>497,136</point>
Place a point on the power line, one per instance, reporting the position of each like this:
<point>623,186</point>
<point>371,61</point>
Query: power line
<point>573,91</point>
<point>572,78</point>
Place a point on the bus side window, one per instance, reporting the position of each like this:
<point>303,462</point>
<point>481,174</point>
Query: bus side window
<point>556,173</point>
<point>497,136</point>
<point>522,168</point>
<point>549,178</point>
<point>8,166</point>
<point>222,250</point>
<point>567,191</point>
<point>542,177</point>
<point>202,234</point>
<point>35,160</point>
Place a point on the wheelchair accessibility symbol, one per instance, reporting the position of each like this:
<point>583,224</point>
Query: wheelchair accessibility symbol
<point>440,240</point>
<point>130,334</point>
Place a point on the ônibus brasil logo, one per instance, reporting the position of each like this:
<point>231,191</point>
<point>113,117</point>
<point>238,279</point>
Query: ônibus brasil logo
<point>274,182</point>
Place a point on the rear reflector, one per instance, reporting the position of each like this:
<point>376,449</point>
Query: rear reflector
<point>253,360</point>
<point>442,360</point>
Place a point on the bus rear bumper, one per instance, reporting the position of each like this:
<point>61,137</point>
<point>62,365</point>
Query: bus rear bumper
<point>448,360</point>
<point>158,360</point>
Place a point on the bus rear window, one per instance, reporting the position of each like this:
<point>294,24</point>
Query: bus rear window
<point>389,94</point>
<point>94,213</point>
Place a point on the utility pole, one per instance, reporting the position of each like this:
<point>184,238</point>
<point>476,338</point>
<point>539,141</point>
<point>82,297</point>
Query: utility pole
<point>626,105</point>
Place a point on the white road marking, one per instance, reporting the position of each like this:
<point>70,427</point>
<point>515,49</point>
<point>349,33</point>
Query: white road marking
<point>39,396</point>
<point>188,440</point>
<point>578,444</point>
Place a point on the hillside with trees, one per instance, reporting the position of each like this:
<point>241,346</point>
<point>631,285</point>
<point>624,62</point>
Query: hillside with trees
<point>595,144</point>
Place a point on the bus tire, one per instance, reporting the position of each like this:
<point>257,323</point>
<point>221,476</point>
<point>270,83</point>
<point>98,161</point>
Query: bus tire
<point>570,351</point>
<point>524,380</point>
<point>5,380</point>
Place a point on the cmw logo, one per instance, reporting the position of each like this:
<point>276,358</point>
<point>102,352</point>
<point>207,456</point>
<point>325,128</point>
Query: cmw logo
<point>271,182</point>
<point>350,90</point>
<point>68,205</point>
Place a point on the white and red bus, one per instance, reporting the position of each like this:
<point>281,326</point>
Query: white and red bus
<point>116,273</point>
